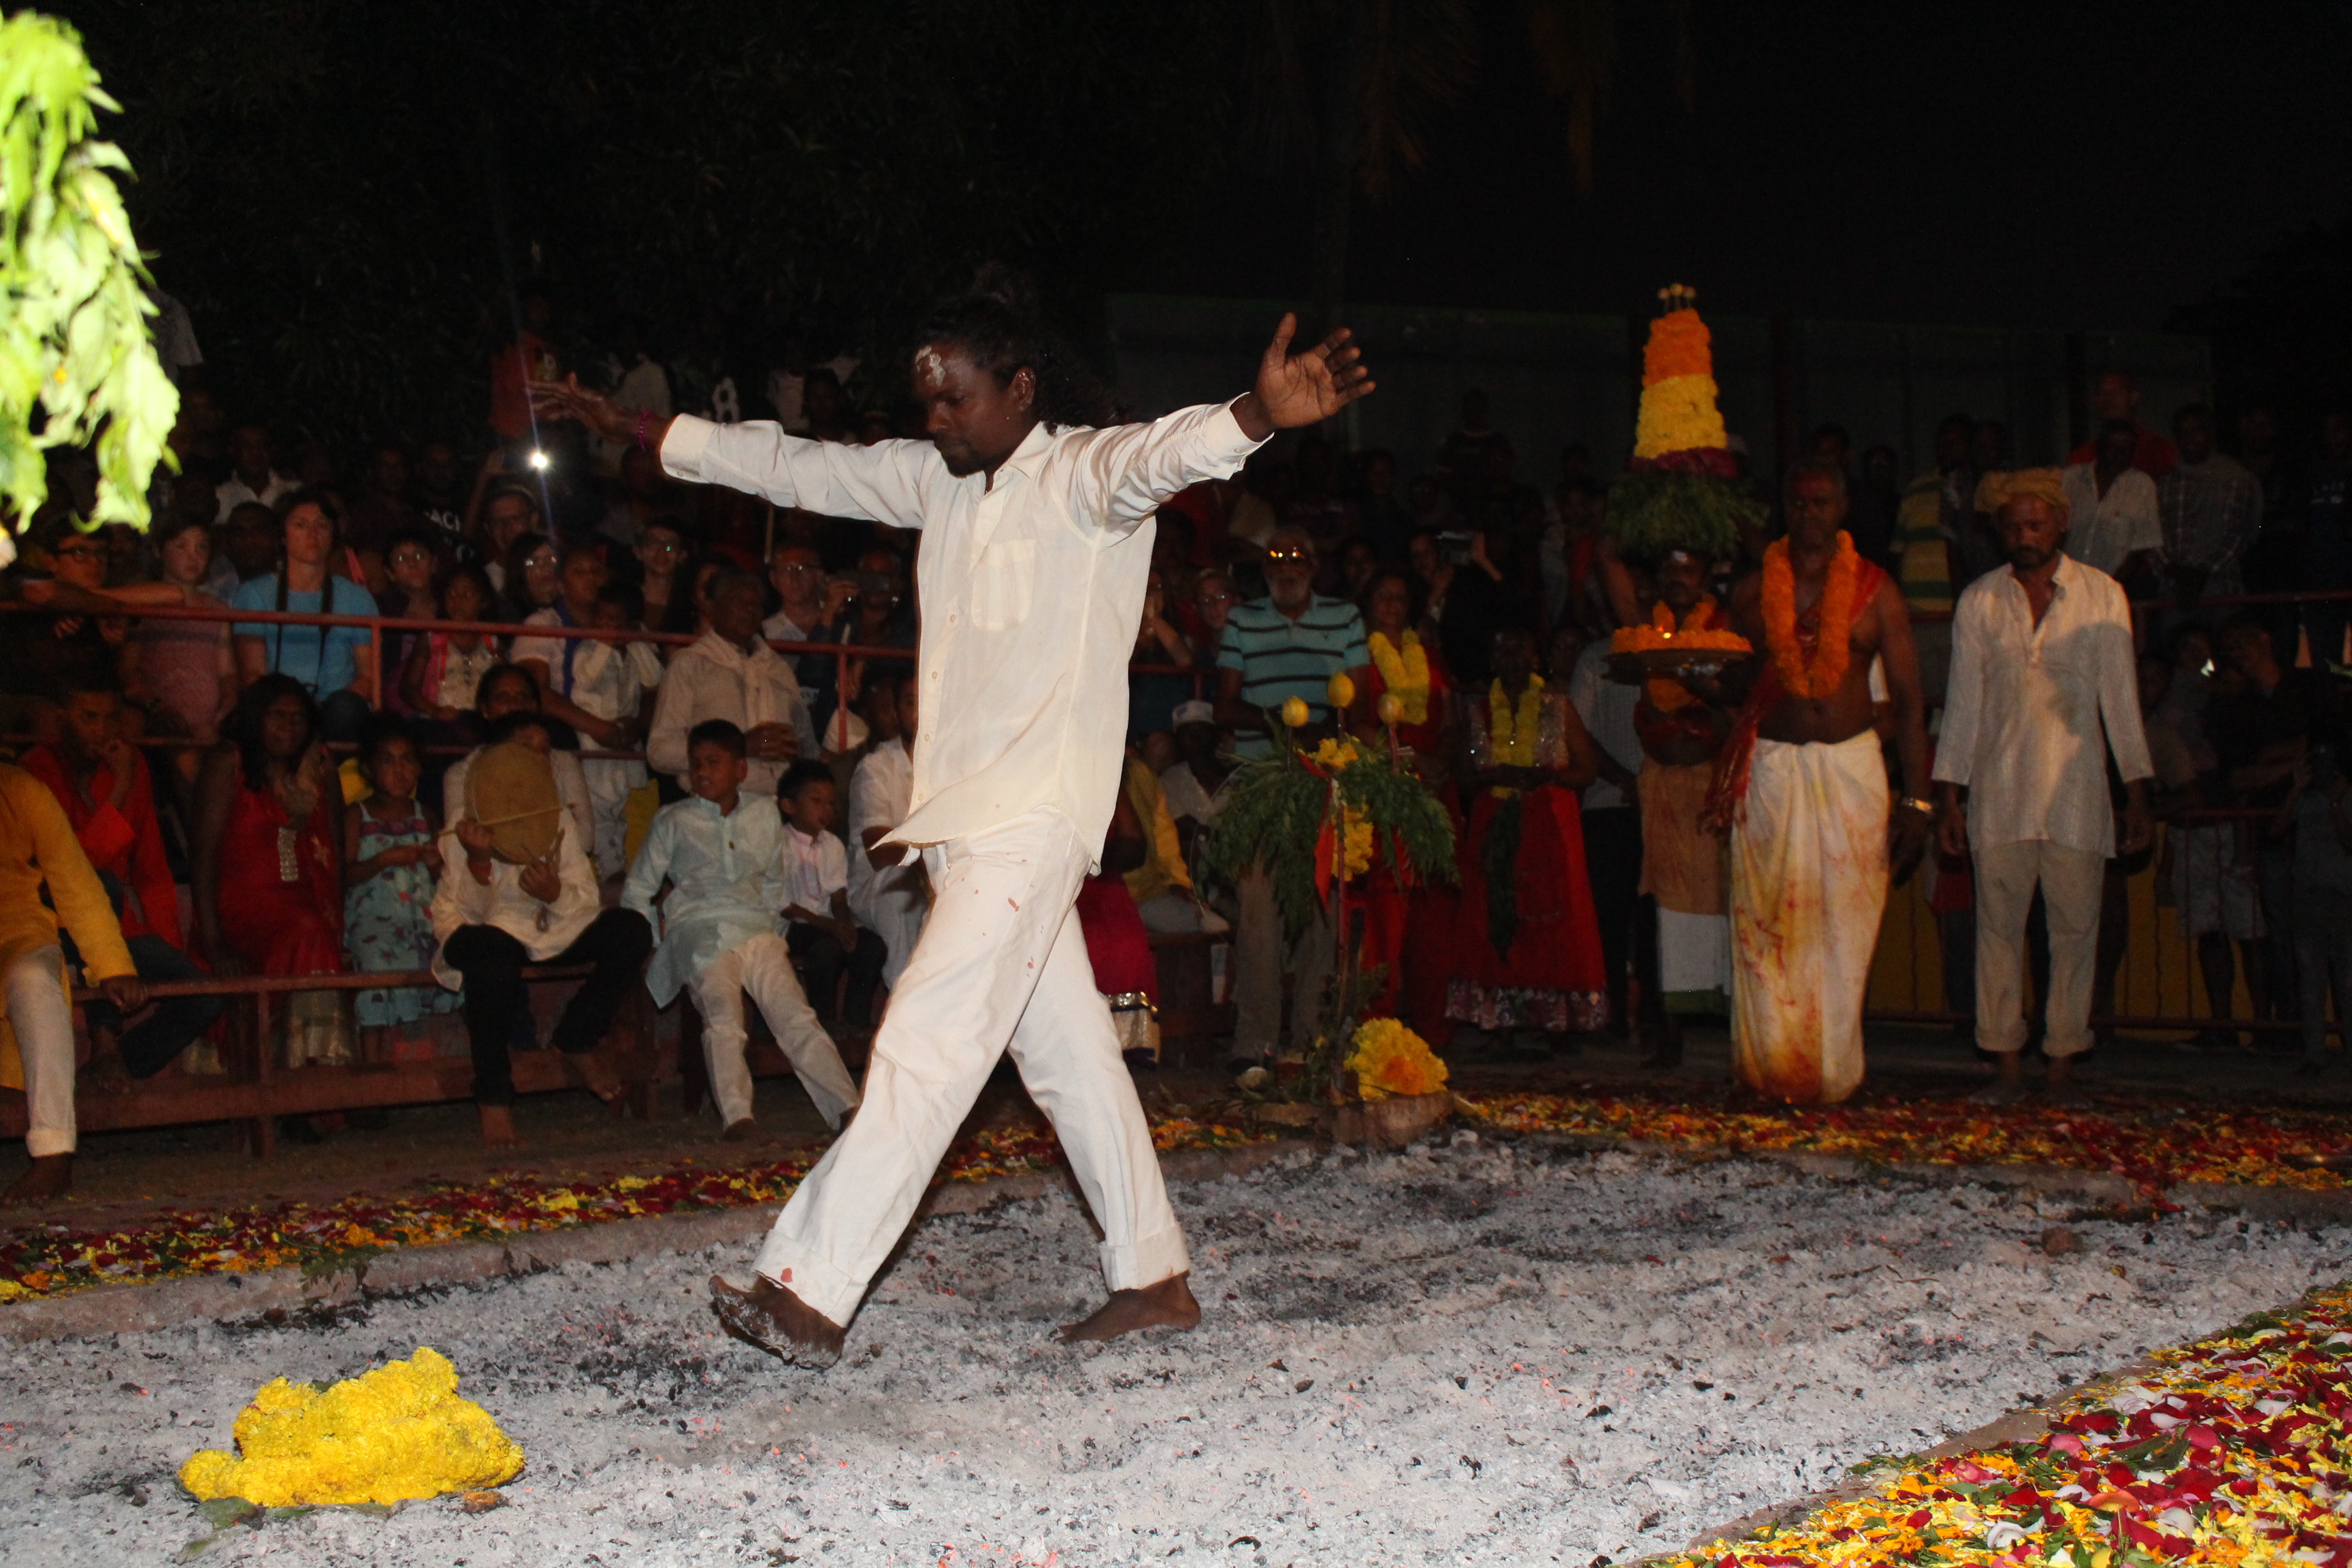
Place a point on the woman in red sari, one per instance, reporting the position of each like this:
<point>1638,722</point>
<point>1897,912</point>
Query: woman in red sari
<point>1528,953</point>
<point>1409,930</point>
<point>269,861</point>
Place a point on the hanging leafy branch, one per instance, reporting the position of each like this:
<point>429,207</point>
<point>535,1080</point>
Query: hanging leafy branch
<point>78,365</point>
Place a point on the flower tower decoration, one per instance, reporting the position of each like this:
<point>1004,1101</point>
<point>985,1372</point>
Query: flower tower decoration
<point>1682,490</point>
<point>1316,820</point>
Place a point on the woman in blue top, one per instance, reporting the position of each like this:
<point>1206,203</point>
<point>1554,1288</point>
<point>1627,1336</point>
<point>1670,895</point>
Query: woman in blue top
<point>335,664</point>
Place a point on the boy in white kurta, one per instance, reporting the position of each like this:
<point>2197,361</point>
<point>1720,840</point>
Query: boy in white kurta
<point>721,852</point>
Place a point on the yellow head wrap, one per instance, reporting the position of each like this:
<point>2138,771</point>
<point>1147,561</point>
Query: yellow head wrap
<point>1997,489</point>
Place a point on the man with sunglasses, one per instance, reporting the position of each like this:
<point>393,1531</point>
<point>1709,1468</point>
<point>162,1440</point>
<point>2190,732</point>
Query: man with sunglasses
<point>1288,644</point>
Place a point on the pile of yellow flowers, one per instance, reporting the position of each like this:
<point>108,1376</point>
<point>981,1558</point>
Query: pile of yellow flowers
<point>397,1433</point>
<point>1389,1059</point>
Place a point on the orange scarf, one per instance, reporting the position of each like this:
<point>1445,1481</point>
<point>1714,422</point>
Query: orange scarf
<point>1825,672</point>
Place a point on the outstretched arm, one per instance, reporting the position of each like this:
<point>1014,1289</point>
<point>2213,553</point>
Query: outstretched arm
<point>1302,388</point>
<point>1126,471</point>
<point>883,483</point>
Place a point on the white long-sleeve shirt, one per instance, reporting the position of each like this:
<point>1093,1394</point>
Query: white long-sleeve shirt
<point>1032,586</point>
<point>459,900</point>
<point>2102,531</point>
<point>713,678</point>
<point>2031,711</point>
<point>727,877</point>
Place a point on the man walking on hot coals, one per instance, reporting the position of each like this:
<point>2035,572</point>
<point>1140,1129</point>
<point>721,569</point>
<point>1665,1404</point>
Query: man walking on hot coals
<point>1036,541</point>
<point>2043,686</point>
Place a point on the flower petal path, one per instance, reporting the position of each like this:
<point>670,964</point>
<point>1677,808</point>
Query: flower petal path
<point>2155,1147</point>
<point>2233,1449</point>
<point>50,1261</point>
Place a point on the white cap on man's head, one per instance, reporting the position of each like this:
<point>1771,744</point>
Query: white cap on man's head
<point>1193,712</point>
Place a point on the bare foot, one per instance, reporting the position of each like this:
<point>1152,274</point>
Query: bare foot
<point>50,1177</point>
<point>1167,1305</point>
<point>498,1128</point>
<point>772,1318</point>
<point>593,1071</point>
<point>742,1130</point>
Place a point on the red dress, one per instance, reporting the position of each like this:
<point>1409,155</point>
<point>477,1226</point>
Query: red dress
<point>1117,943</point>
<point>281,889</point>
<point>1551,975</point>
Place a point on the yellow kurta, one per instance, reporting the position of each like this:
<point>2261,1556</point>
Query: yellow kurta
<point>37,845</point>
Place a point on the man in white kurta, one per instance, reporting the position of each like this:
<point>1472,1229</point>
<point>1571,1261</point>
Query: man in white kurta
<point>730,674</point>
<point>1037,540</point>
<point>721,934</point>
<point>2044,686</point>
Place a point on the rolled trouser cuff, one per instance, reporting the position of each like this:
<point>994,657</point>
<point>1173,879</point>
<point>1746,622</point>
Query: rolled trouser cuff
<point>1147,1260</point>
<point>826,1290</point>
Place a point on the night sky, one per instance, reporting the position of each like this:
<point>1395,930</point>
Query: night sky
<point>2060,166</point>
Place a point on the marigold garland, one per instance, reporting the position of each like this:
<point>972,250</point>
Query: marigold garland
<point>1404,672</point>
<point>1511,732</point>
<point>1826,672</point>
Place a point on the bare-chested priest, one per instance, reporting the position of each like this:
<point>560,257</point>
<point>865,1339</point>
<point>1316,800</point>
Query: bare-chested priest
<point>1037,540</point>
<point>1816,830</point>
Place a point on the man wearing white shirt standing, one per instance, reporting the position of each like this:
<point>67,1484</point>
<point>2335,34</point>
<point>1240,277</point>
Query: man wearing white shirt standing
<point>732,675</point>
<point>2112,520</point>
<point>2043,686</point>
<point>1036,540</point>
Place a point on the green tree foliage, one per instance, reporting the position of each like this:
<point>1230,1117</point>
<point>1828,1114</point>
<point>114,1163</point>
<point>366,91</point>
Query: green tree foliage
<point>340,190</point>
<point>77,364</point>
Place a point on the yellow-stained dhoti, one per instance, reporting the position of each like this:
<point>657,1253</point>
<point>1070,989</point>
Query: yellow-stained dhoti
<point>1808,887</point>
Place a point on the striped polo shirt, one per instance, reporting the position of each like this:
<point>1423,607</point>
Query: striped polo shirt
<point>1280,659</point>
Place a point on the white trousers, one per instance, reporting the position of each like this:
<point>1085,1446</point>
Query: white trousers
<point>43,1019</point>
<point>763,966</point>
<point>2073,883</point>
<point>1001,963</point>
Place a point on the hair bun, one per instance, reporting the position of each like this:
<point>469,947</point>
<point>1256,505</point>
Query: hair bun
<point>1008,287</point>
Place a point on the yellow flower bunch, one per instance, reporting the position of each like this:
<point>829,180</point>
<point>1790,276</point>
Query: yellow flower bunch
<point>1336,754</point>
<point>396,1433</point>
<point>1389,1059</point>
<point>1357,841</point>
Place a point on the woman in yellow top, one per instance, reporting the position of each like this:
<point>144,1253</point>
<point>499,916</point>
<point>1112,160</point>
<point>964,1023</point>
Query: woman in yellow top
<point>37,1046</point>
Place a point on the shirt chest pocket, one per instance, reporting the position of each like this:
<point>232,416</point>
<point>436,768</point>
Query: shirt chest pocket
<point>1004,584</point>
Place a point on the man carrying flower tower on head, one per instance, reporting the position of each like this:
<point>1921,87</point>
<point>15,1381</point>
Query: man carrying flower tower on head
<point>1798,782</point>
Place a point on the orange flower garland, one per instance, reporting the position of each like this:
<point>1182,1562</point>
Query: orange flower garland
<point>1826,673</point>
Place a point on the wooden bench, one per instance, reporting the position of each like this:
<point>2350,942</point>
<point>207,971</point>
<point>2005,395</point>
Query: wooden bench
<point>257,1091</point>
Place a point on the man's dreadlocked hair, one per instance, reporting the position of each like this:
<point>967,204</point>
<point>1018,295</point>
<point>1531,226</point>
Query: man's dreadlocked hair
<point>997,322</point>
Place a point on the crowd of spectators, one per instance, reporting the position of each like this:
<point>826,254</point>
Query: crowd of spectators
<point>259,796</point>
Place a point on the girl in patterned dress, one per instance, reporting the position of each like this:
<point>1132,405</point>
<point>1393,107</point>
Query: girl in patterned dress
<point>390,847</point>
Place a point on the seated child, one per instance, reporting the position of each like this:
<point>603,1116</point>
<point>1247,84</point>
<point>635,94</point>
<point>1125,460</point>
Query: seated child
<point>722,855</point>
<point>391,858</point>
<point>822,933</point>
